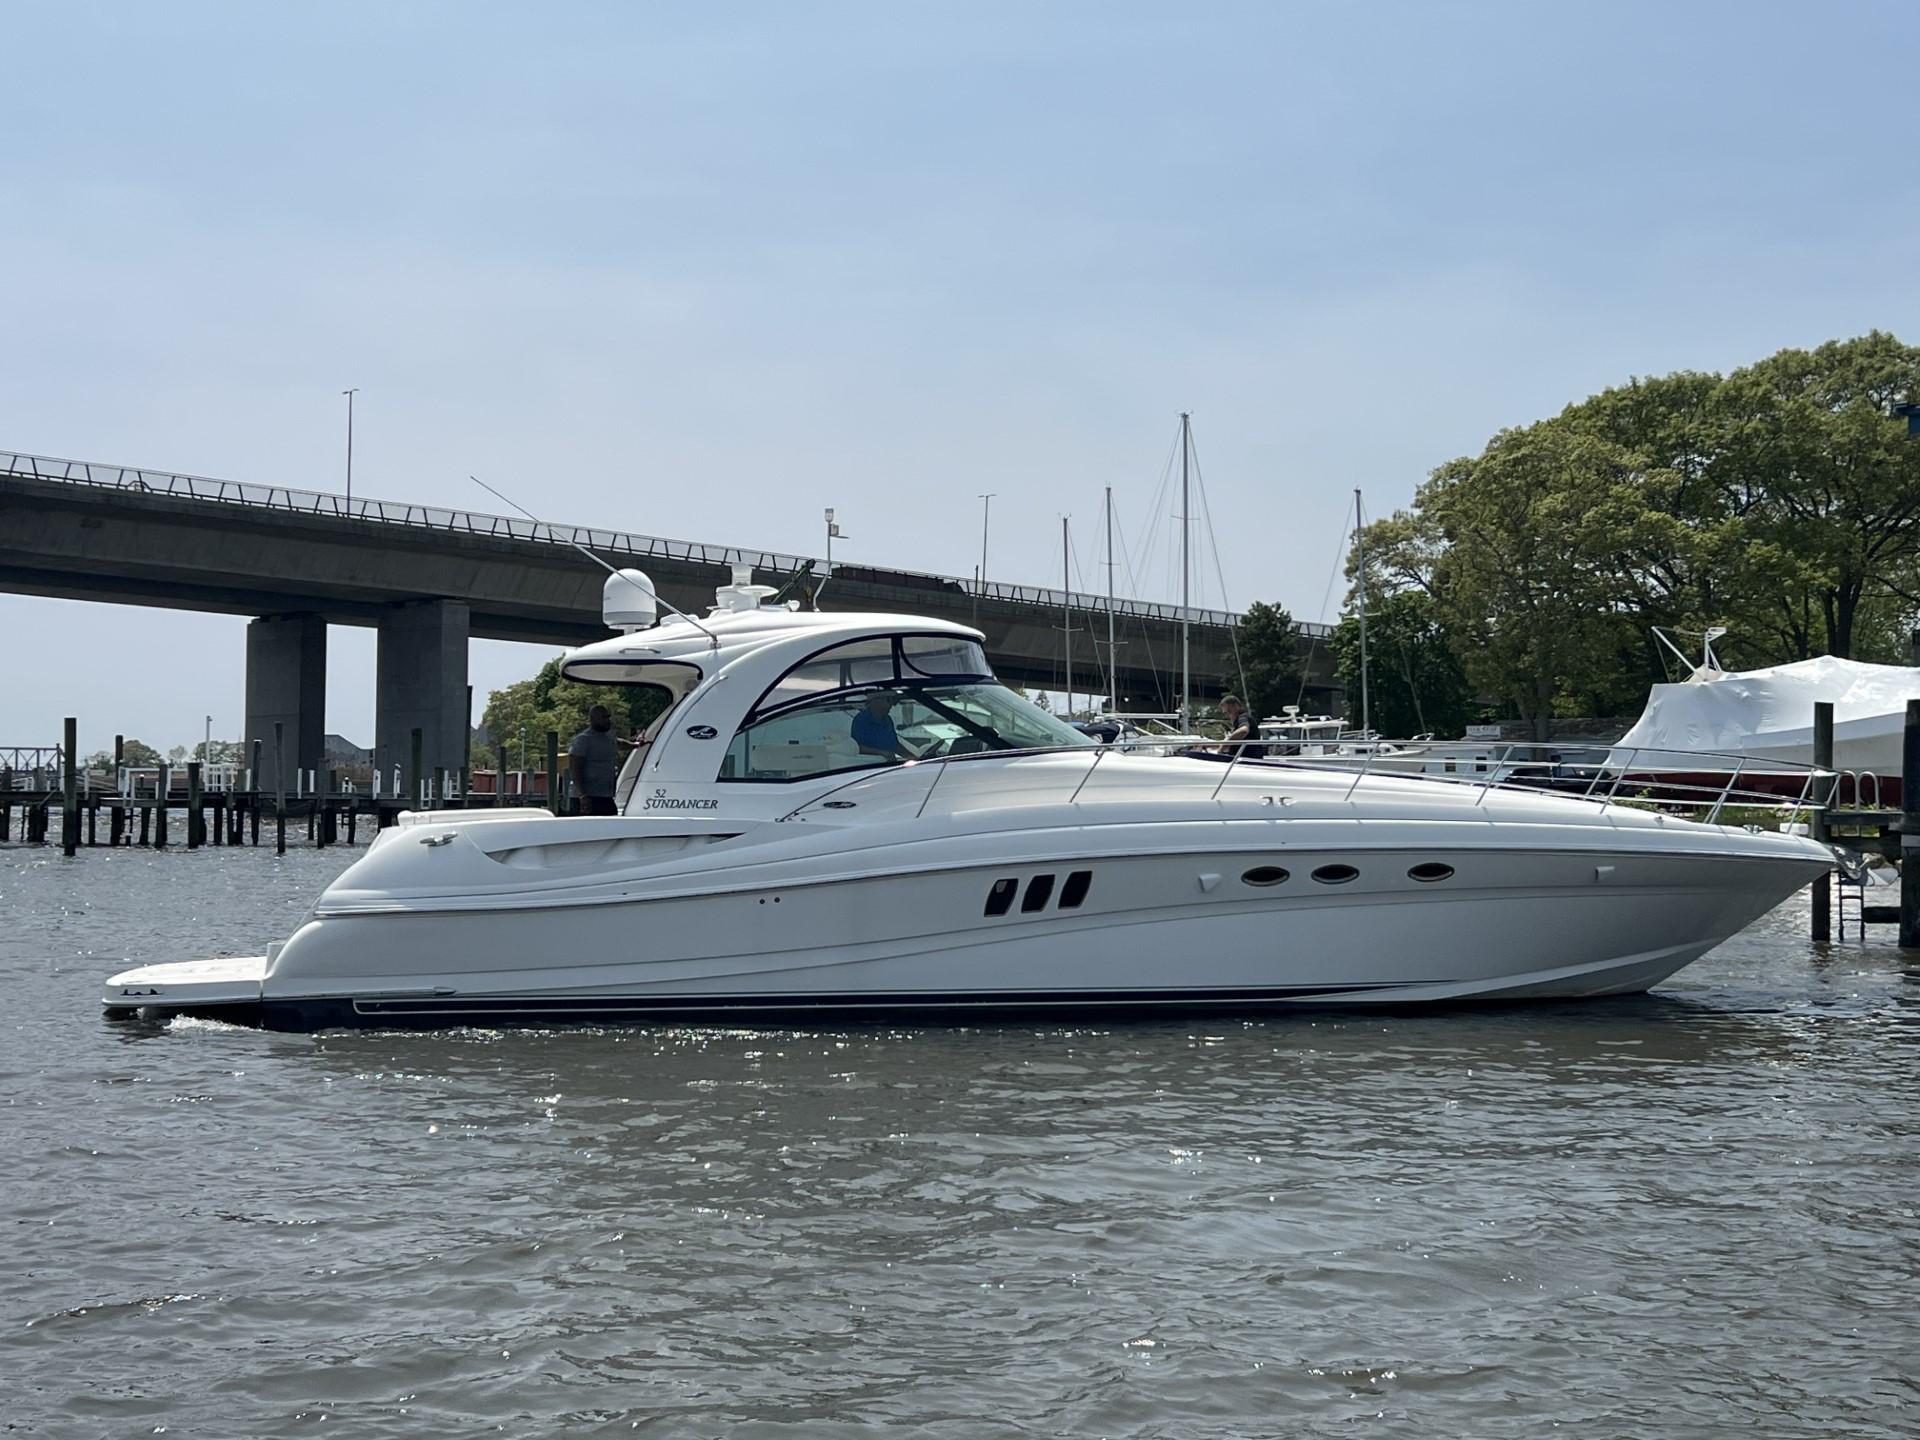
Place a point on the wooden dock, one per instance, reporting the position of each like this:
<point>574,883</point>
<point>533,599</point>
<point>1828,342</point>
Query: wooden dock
<point>94,813</point>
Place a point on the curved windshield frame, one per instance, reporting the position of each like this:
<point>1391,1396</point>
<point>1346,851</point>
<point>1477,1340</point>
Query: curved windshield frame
<point>874,660</point>
<point>843,731</point>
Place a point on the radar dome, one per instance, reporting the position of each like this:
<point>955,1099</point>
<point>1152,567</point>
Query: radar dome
<point>628,602</point>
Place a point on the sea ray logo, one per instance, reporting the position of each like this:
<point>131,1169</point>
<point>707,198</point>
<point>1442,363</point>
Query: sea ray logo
<point>701,732</point>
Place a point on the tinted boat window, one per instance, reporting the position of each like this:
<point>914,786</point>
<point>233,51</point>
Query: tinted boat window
<point>928,720</point>
<point>937,657</point>
<point>858,662</point>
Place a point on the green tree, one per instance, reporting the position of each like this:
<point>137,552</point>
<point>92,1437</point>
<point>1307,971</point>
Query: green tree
<point>134,753</point>
<point>1826,481</point>
<point>1521,574</point>
<point>548,701</point>
<point>1415,682</point>
<point>1782,501</point>
<point>1267,647</point>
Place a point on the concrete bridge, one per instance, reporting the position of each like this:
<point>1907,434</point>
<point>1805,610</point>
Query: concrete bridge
<point>429,578</point>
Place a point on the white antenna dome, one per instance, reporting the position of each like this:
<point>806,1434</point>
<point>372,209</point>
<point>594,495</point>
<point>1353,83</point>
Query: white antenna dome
<point>742,594</point>
<point>628,601</point>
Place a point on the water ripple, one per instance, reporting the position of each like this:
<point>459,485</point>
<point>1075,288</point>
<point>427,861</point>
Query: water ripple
<point>1686,1214</point>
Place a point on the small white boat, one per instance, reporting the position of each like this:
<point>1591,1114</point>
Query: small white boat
<point>1144,733</point>
<point>848,815</point>
<point>1327,740</point>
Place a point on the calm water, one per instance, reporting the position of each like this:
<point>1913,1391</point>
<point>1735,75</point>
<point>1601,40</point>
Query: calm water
<point>1692,1214</point>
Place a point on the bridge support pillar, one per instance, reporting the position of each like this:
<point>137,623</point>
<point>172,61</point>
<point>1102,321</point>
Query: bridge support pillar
<point>422,686</point>
<point>287,682</point>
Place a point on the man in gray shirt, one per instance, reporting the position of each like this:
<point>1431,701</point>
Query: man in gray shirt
<point>594,762</point>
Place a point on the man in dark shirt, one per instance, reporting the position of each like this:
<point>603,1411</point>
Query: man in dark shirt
<point>873,728</point>
<point>1239,725</point>
<point>592,759</point>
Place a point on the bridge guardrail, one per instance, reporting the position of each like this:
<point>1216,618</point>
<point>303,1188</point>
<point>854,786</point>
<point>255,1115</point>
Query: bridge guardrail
<point>617,542</point>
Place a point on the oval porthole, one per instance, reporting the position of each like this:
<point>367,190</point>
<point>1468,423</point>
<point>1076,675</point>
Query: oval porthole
<point>1430,872</point>
<point>1336,874</point>
<point>1264,875</point>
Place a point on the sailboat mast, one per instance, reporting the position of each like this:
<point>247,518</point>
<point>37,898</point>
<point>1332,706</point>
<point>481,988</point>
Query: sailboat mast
<point>1066,607</point>
<point>1186,647</point>
<point>1113,647</point>
<point>1360,556</point>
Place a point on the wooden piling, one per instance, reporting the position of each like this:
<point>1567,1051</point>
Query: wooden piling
<point>6,805</point>
<point>93,820</point>
<point>279,790</point>
<point>196,822</point>
<point>146,821</point>
<point>1910,830</point>
<point>69,791</point>
<point>160,807</point>
<point>1817,821</point>
<point>553,771</point>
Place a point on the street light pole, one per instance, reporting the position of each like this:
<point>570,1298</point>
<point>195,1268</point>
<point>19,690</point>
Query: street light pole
<point>986,514</point>
<point>833,531</point>
<point>206,749</point>
<point>350,394</point>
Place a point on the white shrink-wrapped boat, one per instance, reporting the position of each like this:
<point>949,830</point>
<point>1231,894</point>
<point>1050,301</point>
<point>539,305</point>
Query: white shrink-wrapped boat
<point>1762,722</point>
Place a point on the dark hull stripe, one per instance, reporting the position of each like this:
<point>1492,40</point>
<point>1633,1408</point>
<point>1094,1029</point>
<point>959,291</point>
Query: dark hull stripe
<point>444,1011</point>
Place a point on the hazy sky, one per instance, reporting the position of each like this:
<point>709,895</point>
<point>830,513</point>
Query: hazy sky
<point>701,270</point>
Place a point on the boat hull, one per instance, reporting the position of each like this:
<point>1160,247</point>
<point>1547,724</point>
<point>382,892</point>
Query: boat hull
<point>1181,932</point>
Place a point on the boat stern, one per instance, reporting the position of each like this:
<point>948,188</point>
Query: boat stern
<point>224,989</point>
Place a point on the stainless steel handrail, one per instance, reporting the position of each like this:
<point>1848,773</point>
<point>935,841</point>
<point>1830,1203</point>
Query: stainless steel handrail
<point>1507,775</point>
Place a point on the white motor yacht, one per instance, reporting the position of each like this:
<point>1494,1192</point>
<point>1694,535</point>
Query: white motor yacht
<point>847,814</point>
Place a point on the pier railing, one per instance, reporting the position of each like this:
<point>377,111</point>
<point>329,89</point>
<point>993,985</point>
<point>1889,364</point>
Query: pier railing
<point>610,542</point>
<point>1690,784</point>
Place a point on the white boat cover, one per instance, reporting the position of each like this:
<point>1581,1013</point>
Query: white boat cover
<point>1768,714</point>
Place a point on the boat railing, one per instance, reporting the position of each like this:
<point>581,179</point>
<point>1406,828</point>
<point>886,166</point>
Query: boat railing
<point>1691,784</point>
<point>1861,784</point>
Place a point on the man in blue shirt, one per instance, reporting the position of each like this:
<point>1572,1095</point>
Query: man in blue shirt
<point>873,728</point>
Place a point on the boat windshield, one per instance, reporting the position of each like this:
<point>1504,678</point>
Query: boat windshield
<point>863,726</point>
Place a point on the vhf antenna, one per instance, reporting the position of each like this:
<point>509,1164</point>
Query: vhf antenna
<point>611,570</point>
